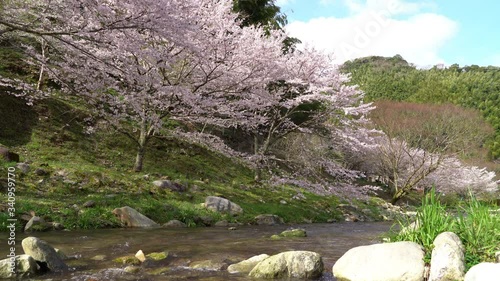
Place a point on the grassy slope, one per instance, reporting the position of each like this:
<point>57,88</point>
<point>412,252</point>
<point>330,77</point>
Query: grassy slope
<point>82,167</point>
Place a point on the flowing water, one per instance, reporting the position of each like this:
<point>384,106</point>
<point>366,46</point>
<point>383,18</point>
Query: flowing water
<point>189,245</point>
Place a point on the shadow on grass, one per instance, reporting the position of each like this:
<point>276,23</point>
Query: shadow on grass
<point>16,120</point>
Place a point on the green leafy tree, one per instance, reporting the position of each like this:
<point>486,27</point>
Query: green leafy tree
<point>267,14</point>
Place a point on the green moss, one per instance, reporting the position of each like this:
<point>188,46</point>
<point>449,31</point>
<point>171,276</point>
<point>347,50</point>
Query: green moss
<point>294,233</point>
<point>157,256</point>
<point>129,260</point>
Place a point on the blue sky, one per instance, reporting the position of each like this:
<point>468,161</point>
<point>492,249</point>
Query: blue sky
<point>423,32</point>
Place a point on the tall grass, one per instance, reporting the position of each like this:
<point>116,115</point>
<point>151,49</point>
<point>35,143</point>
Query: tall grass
<point>479,230</point>
<point>431,220</point>
<point>476,226</point>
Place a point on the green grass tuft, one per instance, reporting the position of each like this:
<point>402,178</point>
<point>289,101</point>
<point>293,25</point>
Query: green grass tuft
<point>475,224</point>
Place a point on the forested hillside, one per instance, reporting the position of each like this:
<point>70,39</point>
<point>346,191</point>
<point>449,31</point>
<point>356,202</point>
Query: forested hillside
<point>472,87</point>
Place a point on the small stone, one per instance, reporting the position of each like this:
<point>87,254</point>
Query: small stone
<point>140,256</point>
<point>99,258</point>
<point>175,223</point>
<point>41,172</point>
<point>223,223</point>
<point>127,260</point>
<point>173,186</point>
<point>299,196</point>
<point>268,219</point>
<point>23,167</point>
<point>232,228</point>
<point>57,226</point>
<point>89,204</point>
<point>297,232</point>
<point>208,265</point>
<point>206,220</point>
<point>276,237</point>
<point>157,256</point>
<point>36,224</point>
<point>132,269</point>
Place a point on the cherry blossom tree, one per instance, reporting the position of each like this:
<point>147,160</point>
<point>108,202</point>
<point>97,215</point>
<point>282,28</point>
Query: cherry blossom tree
<point>309,93</point>
<point>139,63</point>
<point>44,28</point>
<point>404,168</point>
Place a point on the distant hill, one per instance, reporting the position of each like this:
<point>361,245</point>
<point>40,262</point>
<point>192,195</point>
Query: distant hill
<point>393,78</point>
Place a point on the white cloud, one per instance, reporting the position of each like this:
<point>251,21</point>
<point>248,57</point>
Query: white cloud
<point>376,27</point>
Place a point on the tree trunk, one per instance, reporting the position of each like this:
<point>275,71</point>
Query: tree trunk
<point>258,168</point>
<point>141,148</point>
<point>139,159</point>
<point>398,195</point>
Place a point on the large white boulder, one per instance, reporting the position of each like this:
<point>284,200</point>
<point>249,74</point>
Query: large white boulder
<point>24,266</point>
<point>222,205</point>
<point>399,261</point>
<point>247,265</point>
<point>448,259</point>
<point>43,253</point>
<point>486,271</point>
<point>130,217</point>
<point>292,264</point>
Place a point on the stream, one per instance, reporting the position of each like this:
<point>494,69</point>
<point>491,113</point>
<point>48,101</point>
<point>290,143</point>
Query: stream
<point>187,245</point>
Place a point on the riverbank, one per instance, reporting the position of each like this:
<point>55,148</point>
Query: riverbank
<point>74,178</point>
<point>59,197</point>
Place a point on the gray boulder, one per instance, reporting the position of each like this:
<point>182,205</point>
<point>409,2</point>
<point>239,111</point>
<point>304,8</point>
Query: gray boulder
<point>7,155</point>
<point>448,260</point>
<point>129,217</point>
<point>292,264</point>
<point>43,253</point>
<point>209,265</point>
<point>174,223</point>
<point>222,223</point>
<point>268,219</point>
<point>37,224</point>
<point>222,205</point>
<point>400,261</point>
<point>24,168</point>
<point>247,265</point>
<point>25,266</point>
<point>486,271</point>
<point>166,184</point>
